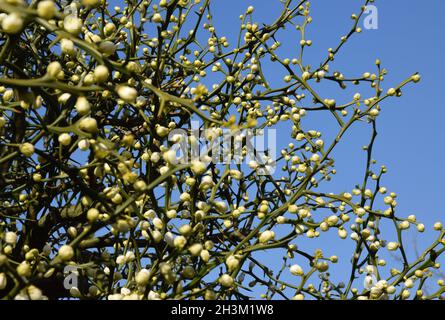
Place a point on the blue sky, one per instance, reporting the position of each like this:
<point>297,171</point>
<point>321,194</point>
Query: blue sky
<point>409,39</point>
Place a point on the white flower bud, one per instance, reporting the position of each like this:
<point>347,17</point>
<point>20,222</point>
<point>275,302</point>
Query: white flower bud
<point>3,281</point>
<point>83,144</point>
<point>53,69</point>
<point>12,23</point>
<point>226,280</point>
<point>392,246</point>
<point>101,74</point>
<point>198,167</point>
<point>158,223</point>
<point>266,236</point>
<point>232,263</point>
<point>66,252</point>
<point>296,270</point>
<point>170,157</point>
<point>128,94</point>
<point>180,242</point>
<point>342,233</point>
<point>34,293</point>
<point>24,269</point>
<point>64,139</point>
<point>27,149</point>
<point>10,237</point>
<point>161,131</point>
<point>46,9</point>
<point>157,18</point>
<point>72,24</point>
<point>205,255</point>
<point>67,46</point>
<point>195,249</point>
<point>143,277</point>
<point>82,106</point>
<point>88,125</point>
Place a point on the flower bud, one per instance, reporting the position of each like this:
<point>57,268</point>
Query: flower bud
<point>205,255</point>
<point>53,69</point>
<point>88,125</point>
<point>392,246</point>
<point>64,139</point>
<point>226,280</point>
<point>10,238</point>
<point>266,236</point>
<point>128,94</point>
<point>24,269</point>
<point>157,18</point>
<point>46,9</point>
<point>67,46</point>
<point>180,242</point>
<point>92,215</point>
<point>198,167</point>
<point>83,144</point>
<point>72,24</point>
<point>143,277</point>
<point>232,263</point>
<point>101,74</point>
<point>3,281</point>
<point>12,23</point>
<point>27,149</point>
<point>66,252</point>
<point>195,249</point>
<point>82,106</point>
<point>296,270</point>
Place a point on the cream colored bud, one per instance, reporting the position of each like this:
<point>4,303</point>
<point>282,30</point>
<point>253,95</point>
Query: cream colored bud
<point>296,270</point>
<point>205,255</point>
<point>72,24</point>
<point>143,277</point>
<point>179,242</point>
<point>46,9</point>
<point>195,249</point>
<point>12,23</point>
<point>266,236</point>
<point>82,106</point>
<point>67,46</point>
<point>198,167</point>
<point>101,74</point>
<point>88,125</point>
<point>92,215</point>
<point>53,69</point>
<point>157,18</point>
<point>66,252</point>
<point>27,149</point>
<point>128,94</point>
<point>170,157</point>
<point>64,139</point>
<point>83,144</point>
<point>10,238</point>
<point>232,263</point>
<point>24,269</point>
<point>420,227</point>
<point>392,246</point>
<point>226,281</point>
<point>3,281</point>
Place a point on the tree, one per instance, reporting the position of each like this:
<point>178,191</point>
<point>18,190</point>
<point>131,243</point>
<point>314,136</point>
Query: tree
<point>109,190</point>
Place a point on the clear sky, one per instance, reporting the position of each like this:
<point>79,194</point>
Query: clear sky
<point>410,139</point>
